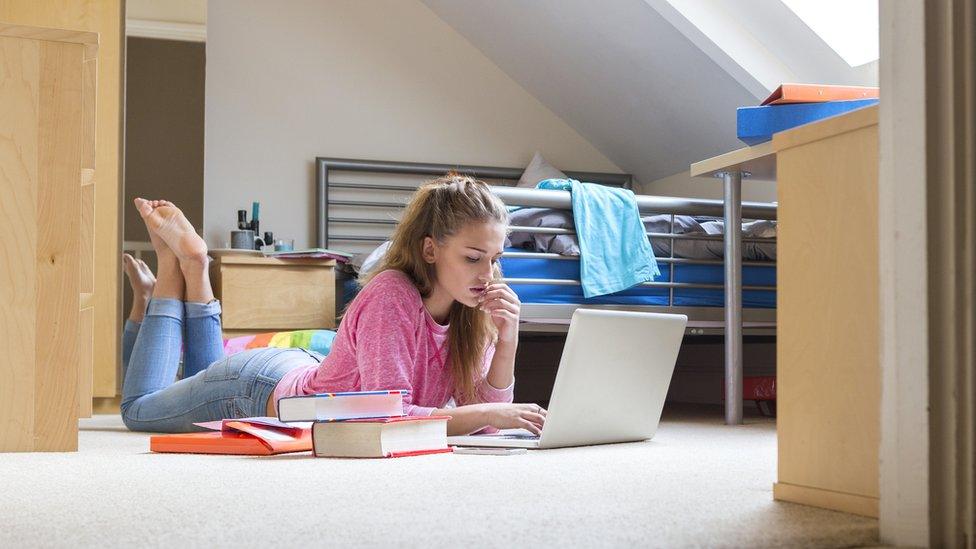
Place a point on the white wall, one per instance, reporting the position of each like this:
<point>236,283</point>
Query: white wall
<point>905,465</point>
<point>385,80</point>
<point>682,184</point>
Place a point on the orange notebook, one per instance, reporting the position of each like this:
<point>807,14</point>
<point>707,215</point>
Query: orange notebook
<point>818,93</point>
<point>253,436</point>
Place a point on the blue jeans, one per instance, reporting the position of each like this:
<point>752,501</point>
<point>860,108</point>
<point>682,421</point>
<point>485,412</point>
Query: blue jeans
<point>213,387</point>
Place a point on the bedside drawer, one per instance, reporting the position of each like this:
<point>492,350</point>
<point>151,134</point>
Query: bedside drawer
<point>259,294</point>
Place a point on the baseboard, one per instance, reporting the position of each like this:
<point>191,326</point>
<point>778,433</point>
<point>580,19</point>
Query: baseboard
<point>827,499</point>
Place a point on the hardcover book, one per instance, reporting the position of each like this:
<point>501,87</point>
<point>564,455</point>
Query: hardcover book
<point>341,406</point>
<point>375,438</point>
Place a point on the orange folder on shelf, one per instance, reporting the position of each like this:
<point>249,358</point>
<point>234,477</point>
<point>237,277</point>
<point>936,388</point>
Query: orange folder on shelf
<point>253,436</point>
<point>818,93</point>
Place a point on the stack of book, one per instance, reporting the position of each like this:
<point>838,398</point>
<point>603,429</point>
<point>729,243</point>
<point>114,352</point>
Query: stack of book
<point>792,105</point>
<point>311,253</point>
<point>356,424</point>
<point>365,424</point>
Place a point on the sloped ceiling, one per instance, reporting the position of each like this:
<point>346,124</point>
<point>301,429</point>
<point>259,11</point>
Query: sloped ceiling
<point>616,71</point>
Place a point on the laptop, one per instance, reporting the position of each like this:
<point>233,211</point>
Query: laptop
<point>610,387</point>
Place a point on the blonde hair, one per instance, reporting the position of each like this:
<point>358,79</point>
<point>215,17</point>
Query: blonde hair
<point>439,209</point>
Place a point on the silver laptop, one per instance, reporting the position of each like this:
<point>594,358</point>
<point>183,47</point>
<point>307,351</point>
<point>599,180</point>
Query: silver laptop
<point>613,376</point>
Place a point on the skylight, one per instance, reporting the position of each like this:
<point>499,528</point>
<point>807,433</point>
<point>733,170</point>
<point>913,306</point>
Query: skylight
<point>849,27</point>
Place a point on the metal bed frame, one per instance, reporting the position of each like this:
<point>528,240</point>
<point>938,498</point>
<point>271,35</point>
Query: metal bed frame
<point>731,320</point>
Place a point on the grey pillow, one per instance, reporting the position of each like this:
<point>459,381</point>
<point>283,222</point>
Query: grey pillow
<point>563,244</point>
<point>715,249</point>
<point>538,170</point>
<point>374,258</point>
<point>661,223</point>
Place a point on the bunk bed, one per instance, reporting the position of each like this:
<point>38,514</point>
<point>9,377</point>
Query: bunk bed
<point>360,215</point>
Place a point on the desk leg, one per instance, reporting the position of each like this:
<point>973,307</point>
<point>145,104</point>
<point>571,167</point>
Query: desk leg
<point>733,296</point>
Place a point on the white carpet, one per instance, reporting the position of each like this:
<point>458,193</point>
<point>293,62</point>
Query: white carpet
<point>698,483</point>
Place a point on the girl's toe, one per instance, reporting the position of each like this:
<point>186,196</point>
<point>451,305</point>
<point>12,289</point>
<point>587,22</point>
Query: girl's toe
<point>145,207</point>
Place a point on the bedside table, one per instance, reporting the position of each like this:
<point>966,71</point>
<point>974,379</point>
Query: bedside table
<point>259,294</point>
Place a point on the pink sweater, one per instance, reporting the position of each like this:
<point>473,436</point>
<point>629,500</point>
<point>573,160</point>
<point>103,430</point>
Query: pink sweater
<point>388,340</point>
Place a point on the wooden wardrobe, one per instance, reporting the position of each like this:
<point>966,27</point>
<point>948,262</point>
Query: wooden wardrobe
<point>47,202</point>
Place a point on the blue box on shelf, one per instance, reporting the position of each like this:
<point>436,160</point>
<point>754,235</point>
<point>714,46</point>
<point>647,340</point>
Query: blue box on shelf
<point>756,125</point>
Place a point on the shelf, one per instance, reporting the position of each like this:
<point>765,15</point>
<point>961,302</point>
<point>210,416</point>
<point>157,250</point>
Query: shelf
<point>758,160</point>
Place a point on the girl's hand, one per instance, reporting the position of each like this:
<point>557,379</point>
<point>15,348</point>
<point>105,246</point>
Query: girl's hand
<point>504,306</point>
<point>516,416</point>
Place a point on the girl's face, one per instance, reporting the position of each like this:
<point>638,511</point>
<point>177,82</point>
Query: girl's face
<point>463,262</point>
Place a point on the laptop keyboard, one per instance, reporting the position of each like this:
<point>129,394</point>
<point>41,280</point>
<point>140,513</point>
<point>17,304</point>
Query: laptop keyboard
<point>520,437</point>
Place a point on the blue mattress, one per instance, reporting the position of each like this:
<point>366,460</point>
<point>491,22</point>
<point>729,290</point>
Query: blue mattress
<point>683,297</point>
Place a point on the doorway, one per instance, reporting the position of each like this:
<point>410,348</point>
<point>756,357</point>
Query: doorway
<point>164,129</point>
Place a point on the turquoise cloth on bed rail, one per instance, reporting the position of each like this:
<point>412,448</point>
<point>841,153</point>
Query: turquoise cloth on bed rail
<point>615,253</point>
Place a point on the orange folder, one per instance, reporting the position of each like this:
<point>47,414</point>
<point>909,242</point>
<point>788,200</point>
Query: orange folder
<point>818,93</point>
<point>246,436</point>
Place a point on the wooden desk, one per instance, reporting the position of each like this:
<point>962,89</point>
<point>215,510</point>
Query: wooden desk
<point>827,316</point>
<point>259,294</point>
<point>828,366</point>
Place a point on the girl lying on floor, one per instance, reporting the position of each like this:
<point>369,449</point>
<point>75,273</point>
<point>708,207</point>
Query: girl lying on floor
<point>433,319</point>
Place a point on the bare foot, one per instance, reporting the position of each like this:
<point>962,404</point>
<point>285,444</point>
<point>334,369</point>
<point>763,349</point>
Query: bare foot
<point>142,281</point>
<point>167,223</point>
<point>140,276</point>
<point>164,256</point>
